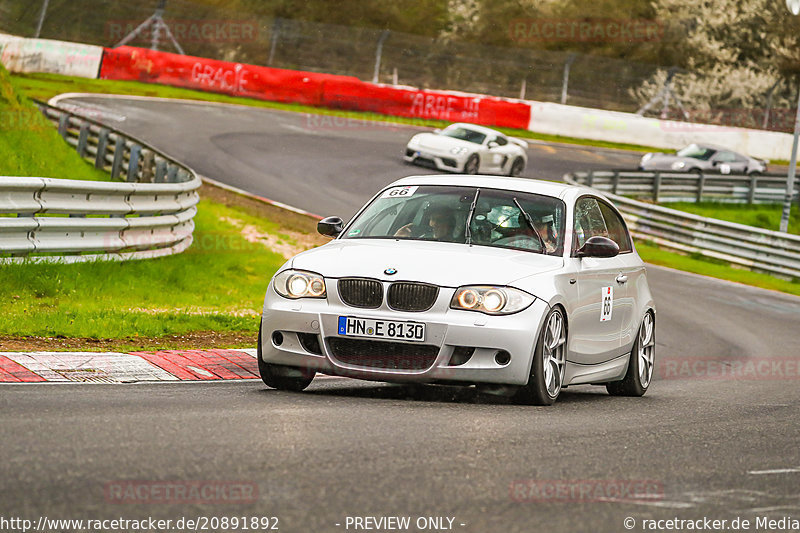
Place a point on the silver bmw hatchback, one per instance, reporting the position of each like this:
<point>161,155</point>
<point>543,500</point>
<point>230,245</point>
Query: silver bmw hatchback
<point>521,287</point>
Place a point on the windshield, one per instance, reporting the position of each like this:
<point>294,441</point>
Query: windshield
<point>465,134</point>
<point>697,152</point>
<point>440,213</point>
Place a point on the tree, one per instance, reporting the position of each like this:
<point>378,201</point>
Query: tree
<point>735,52</point>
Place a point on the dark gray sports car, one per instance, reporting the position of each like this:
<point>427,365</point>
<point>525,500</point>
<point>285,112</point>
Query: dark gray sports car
<point>703,158</point>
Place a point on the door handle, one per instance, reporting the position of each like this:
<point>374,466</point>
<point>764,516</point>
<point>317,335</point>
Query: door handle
<point>622,278</point>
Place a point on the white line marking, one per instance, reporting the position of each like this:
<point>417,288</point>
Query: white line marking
<point>774,471</point>
<point>201,371</point>
<point>74,366</point>
<point>661,503</point>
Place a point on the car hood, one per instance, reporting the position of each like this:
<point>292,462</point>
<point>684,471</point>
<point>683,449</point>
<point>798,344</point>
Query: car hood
<point>432,141</point>
<point>443,264</point>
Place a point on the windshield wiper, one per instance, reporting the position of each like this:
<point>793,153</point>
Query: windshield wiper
<point>529,220</point>
<point>468,232</point>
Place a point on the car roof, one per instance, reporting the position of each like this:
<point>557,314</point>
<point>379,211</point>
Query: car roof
<point>546,188</point>
<point>475,127</point>
<point>714,147</point>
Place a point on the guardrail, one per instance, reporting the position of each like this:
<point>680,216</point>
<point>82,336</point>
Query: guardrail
<point>688,187</point>
<point>756,249</point>
<point>150,214</point>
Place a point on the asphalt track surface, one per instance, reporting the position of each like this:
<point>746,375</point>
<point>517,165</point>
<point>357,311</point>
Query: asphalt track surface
<point>703,442</point>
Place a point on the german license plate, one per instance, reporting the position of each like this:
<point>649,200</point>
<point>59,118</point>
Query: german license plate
<point>381,329</point>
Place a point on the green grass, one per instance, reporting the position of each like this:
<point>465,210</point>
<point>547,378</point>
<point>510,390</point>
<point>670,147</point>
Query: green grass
<point>657,256</point>
<point>767,216</point>
<point>218,284</point>
<point>30,145</point>
<point>45,86</point>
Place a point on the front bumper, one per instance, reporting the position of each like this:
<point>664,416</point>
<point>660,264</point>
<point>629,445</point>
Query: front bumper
<point>447,162</point>
<point>446,329</point>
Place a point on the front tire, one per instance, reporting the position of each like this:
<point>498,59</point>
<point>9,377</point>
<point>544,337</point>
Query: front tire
<point>642,360</point>
<point>472,165</point>
<point>283,377</point>
<point>549,362</point>
<point>516,167</point>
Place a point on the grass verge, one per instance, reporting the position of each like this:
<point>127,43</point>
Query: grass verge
<point>217,285</point>
<point>688,263</point>
<point>45,86</point>
<point>30,146</point>
<point>209,296</point>
<point>766,216</point>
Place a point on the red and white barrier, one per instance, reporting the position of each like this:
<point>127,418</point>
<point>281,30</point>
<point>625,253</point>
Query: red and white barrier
<point>236,79</point>
<point>347,92</point>
<point>341,92</point>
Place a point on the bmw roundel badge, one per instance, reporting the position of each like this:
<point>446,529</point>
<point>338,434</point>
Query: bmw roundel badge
<point>390,271</point>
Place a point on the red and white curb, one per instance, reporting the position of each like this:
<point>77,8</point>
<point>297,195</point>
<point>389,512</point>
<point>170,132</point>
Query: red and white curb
<point>116,367</point>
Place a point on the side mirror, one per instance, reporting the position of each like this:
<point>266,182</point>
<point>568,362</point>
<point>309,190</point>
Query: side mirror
<point>598,246</point>
<point>492,144</point>
<point>330,226</point>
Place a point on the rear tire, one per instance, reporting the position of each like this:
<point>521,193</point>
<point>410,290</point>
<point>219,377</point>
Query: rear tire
<point>282,377</point>
<point>642,360</point>
<point>516,167</point>
<point>472,165</point>
<point>549,362</point>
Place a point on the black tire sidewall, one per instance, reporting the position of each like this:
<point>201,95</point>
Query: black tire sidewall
<point>519,161</point>
<point>535,392</point>
<point>631,384</point>
<point>467,165</point>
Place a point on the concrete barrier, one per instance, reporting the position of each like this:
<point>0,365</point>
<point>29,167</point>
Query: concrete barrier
<point>55,57</point>
<point>629,128</point>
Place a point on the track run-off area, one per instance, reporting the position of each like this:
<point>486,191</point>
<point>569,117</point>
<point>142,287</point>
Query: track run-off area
<point>716,435</point>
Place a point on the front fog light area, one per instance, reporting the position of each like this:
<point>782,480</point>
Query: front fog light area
<point>491,300</point>
<point>299,284</point>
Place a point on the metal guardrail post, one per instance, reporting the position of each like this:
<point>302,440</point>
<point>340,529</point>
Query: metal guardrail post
<point>701,185</point>
<point>656,186</point>
<point>63,125</point>
<point>83,139</point>
<point>102,148</point>
<point>615,182</point>
<point>119,153</point>
<point>172,174</point>
<point>751,195</point>
<point>133,162</point>
<point>590,178</point>
<point>161,170</point>
<point>147,166</point>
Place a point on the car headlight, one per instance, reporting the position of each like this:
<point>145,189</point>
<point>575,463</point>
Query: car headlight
<point>458,151</point>
<point>491,300</point>
<point>678,165</point>
<point>299,284</point>
<point>646,157</point>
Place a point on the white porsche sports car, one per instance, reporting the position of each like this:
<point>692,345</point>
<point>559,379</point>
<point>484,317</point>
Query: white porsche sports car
<point>469,149</point>
<point>520,286</point>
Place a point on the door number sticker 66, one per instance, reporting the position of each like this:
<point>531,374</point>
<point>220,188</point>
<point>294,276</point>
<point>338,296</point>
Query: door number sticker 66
<point>607,304</point>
